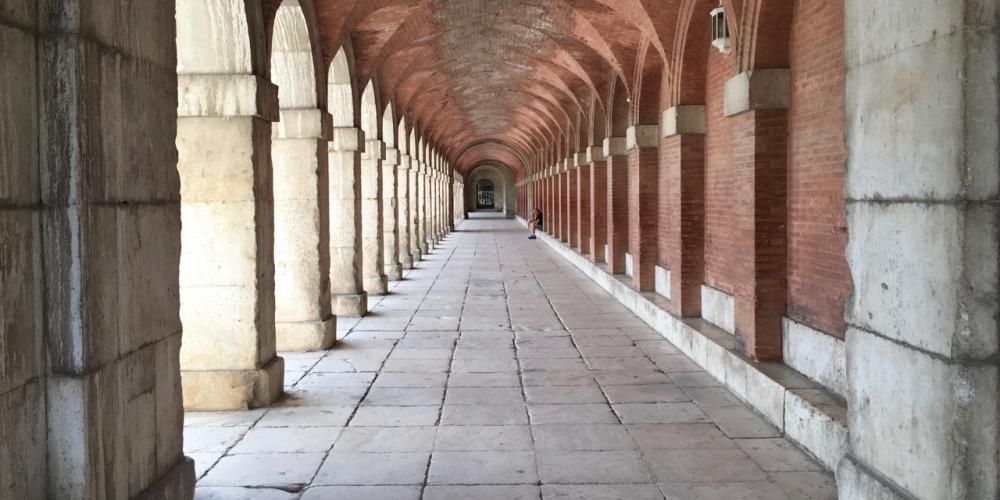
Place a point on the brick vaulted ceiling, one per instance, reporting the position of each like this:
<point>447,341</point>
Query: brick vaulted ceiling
<point>502,80</point>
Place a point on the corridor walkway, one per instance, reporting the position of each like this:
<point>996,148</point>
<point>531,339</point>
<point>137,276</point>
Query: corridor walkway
<point>496,370</point>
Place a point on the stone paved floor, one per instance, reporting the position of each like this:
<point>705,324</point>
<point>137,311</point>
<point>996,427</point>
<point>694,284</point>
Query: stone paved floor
<point>496,370</point>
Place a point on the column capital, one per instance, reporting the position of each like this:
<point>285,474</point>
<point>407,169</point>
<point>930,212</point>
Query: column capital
<point>594,153</point>
<point>374,150</point>
<point>347,139</point>
<point>615,146</point>
<point>227,95</point>
<point>642,136</point>
<point>581,158</point>
<point>391,157</point>
<point>304,123</point>
<point>684,119</point>
<point>758,89</point>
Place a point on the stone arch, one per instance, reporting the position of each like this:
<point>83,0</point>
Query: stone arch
<point>225,108</point>
<point>503,180</point>
<point>341,91</point>
<point>296,57</point>
<point>303,319</point>
<point>221,37</point>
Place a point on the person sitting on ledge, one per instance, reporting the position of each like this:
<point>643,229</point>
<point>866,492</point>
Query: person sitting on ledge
<point>535,223</point>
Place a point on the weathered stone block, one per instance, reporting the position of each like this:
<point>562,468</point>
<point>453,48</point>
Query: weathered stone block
<point>718,308</point>
<point>948,425</point>
<point>81,246</point>
<point>818,423</point>
<point>233,389</point>
<point>169,407</point>
<point>227,96</point>
<point>205,261</point>
<point>21,296</point>
<point>220,156</point>
<point>918,108</point>
<point>22,443</point>
<point>230,336</point>
<point>856,483</point>
<point>148,258</point>
<point>19,120</point>
<point>816,355</point>
<point>913,264</point>
<point>760,89</point>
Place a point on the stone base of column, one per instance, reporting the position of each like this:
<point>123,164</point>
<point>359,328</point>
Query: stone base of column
<point>318,335</point>
<point>376,285</point>
<point>417,255</point>
<point>350,306</point>
<point>219,390</point>
<point>425,249</point>
<point>854,482</point>
<point>177,483</point>
<point>394,272</point>
<point>406,261</point>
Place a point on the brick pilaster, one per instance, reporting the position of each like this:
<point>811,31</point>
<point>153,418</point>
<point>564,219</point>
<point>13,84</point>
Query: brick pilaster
<point>617,205</point>
<point>760,162</point>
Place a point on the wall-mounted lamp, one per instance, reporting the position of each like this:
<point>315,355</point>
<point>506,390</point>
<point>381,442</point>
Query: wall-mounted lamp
<point>720,30</point>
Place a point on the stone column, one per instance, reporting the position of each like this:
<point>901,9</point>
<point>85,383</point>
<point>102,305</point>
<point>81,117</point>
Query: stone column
<point>599,203</point>
<point>757,107</point>
<point>643,206</point>
<point>303,317</point>
<point>582,242</point>
<point>372,262</point>
<point>921,118</point>
<point>428,206</point>
<point>403,191</point>
<point>390,224</point>
<point>348,296</point>
<point>615,152</point>
<point>228,358</point>
<point>90,399</point>
<point>682,189</point>
<point>421,214</point>
<point>414,213</point>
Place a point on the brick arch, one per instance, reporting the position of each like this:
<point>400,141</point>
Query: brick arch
<point>644,108</point>
<point>475,153</point>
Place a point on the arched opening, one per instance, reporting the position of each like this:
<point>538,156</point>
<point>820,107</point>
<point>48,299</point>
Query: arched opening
<point>228,357</point>
<point>303,320</point>
<point>490,189</point>
<point>485,195</point>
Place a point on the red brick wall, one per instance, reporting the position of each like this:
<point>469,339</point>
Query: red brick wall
<point>818,278</point>
<point>617,206</point>
<point>721,247</point>
<point>643,164</point>
<point>599,210</point>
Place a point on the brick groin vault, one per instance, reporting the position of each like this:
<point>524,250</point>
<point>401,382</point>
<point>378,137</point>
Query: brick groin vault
<point>279,249</point>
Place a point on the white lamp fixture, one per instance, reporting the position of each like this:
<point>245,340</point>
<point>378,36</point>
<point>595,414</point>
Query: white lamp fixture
<point>720,30</point>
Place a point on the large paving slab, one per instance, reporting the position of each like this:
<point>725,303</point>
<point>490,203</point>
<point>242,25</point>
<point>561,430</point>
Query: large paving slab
<point>495,369</point>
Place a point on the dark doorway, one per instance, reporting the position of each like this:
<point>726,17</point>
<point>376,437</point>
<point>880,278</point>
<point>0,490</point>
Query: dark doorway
<point>485,194</point>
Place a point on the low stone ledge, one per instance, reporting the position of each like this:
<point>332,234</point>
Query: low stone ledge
<point>799,407</point>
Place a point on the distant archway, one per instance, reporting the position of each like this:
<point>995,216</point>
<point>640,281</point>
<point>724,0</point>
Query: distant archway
<point>496,179</point>
<point>485,194</point>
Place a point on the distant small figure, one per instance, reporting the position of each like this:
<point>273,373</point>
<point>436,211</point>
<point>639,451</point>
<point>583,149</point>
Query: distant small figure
<point>535,223</point>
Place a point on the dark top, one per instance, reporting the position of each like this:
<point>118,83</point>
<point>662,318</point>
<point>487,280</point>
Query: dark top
<point>538,219</point>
